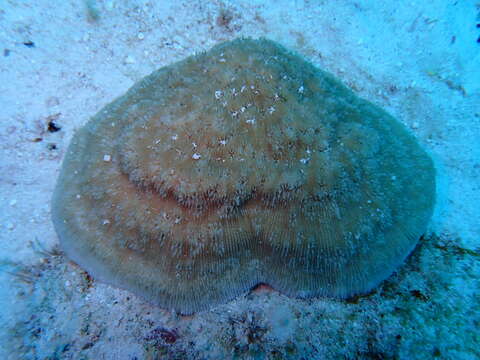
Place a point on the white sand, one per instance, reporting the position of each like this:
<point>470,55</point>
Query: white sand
<point>419,60</point>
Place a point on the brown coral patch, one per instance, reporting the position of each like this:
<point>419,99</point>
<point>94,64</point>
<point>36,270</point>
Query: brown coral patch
<point>239,166</point>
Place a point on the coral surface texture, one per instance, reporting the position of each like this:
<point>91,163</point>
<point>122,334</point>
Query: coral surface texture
<point>238,166</point>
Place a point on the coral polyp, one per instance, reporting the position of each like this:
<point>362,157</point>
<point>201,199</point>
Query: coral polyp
<point>242,165</point>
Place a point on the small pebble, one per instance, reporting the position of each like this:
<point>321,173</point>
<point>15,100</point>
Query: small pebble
<point>141,36</point>
<point>415,125</point>
<point>107,158</point>
<point>13,202</point>
<point>129,59</point>
<point>52,101</point>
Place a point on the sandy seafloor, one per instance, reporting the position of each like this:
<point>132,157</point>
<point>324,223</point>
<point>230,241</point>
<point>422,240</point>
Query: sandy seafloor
<point>62,61</point>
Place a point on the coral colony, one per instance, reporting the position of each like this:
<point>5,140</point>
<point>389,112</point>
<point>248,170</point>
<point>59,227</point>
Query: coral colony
<point>238,166</point>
